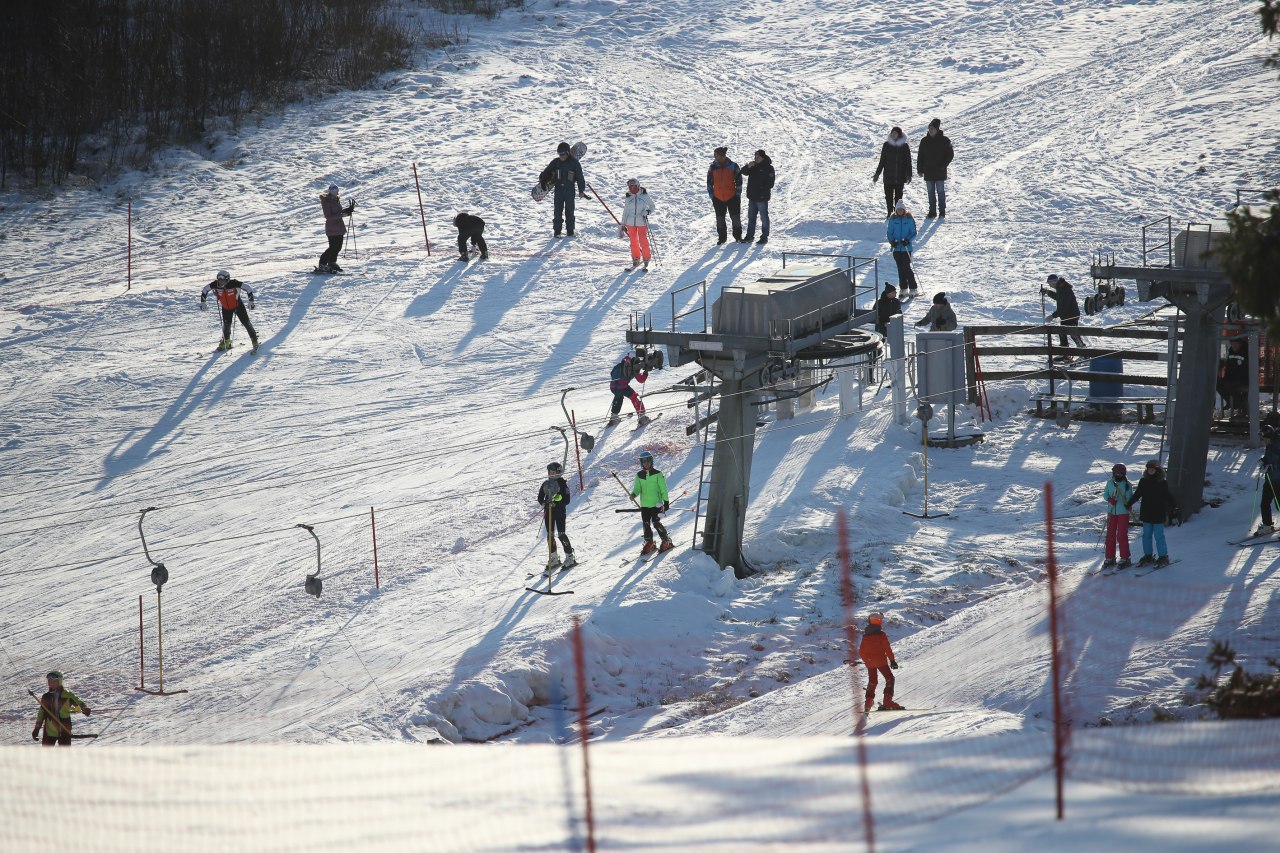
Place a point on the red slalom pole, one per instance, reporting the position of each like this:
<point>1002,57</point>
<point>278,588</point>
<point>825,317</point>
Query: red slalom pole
<point>128,274</point>
<point>142,666</point>
<point>597,195</point>
<point>421,212</point>
<point>580,669</point>
<point>573,421</point>
<point>373,528</point>
<point>1059,724</point>
<point>859,712</point>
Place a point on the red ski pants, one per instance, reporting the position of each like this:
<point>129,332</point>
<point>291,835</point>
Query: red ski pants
<point>873,680</point>
<point>639,235</point>
<point>1118,531</point>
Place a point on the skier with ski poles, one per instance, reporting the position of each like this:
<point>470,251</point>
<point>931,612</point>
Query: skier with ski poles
<point>650,487</point>
<point>334,228</point>
<point>55,712</point>
<point>620,384</point>
<point>877,655</point>
<point>553,497</point>
<point>227,289</point>
<point>1270,469</point>
<point>1117,493</point>
<point>636,208</point>
<point>562,173</point>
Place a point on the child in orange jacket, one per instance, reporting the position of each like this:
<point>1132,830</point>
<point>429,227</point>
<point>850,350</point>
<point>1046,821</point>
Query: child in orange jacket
<point>877,654</point>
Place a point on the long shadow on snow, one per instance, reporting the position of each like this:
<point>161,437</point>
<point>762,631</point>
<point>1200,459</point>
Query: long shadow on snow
<point>495,300</point>
<point>123,458</point>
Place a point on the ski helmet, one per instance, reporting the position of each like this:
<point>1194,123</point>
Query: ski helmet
<point>876,618</point>
<point>644,454</point>
<point>223,275</point>
<point>553,468</point>
<point>1119,470</point>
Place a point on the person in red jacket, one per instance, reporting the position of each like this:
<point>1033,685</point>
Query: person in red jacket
<point>877,654</point>
<point>227,289</point>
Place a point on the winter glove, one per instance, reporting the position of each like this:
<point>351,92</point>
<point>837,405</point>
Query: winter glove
<point>893,664</point>
<point>351,205</point>
<point>583,195</point>
<point>666,505</point>
<point>1175,518</point>
<point>1111,501</point>
<point>204,306</point>
<point>252,303</point>
<point>557,498</point>
<point>35,734</point>
<point>622,230</point>
<point>88,711</point>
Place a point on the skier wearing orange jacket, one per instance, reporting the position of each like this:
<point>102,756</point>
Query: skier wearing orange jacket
<point>877,654</point>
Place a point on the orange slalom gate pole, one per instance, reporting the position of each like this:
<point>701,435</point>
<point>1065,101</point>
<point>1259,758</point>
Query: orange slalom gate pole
<point>580,669</point>
<point>859,712</point>
<point>421,212</point>
<point>1059,724</point>
<point>373,528</point>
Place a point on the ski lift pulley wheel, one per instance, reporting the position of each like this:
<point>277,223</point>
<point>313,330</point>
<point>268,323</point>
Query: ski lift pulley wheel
<point>314,585</point>
<point>586,441</point>
<point>924,412</point>
<point>159,576</point>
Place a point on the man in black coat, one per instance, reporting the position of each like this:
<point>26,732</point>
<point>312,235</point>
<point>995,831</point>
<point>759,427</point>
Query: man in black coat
<point>895,163</point>
<point>886,306</point>
<point>562,173</point>
<point>760,177</point>
<point>1068,308</point>
<point>1233,386</point>
<point>933,156</point>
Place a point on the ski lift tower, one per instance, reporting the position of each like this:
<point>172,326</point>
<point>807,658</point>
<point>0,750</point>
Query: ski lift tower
<point>759,337</point>
<point>1180,269</point>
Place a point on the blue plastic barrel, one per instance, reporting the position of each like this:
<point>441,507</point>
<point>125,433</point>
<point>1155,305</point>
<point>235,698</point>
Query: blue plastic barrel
<point>1103,388</point>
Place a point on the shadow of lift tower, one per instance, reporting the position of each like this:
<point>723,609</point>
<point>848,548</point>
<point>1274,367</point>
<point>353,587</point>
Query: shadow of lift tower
<point>1179,269</point>
<point>760,336</point>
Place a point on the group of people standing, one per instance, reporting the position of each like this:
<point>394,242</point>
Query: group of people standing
<point>1158,508</point>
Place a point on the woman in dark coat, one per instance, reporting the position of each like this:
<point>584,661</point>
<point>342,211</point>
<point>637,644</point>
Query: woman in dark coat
<point>334,228</point>
<point>1157,506</point>
<point>895,164</point>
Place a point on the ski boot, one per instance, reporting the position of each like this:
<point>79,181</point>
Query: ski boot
<point>553,566</point>
<point>1109,563</point>
<point>890,705</point>
<point>614,420</point>
<point>254,351</point>
<point>484,256</point>
<point>1264,530</point>
<point>646,263</point>
<point>665,546</point>
<point>649,548</point>
<point>1146,560</point>
<point>643,420</point>
<point>635,263</point>
<point>870,703</point>
<point>1124,564</point>
<point>1161,562</point>
<point>334,268</point>
<point>569,561</point>
<point>224,345</point>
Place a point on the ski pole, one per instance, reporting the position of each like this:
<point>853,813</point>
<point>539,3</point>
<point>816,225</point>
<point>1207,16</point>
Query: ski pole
<point>625,489</point>
<point>351,226</point>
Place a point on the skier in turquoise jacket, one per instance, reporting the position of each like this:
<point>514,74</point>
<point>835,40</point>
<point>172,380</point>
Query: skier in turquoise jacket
<point>1118,493</point>
<point>651,489</point>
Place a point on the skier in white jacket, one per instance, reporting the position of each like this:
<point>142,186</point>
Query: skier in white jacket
<point>635,222</point>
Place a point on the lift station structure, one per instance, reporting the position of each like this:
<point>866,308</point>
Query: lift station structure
<point>753,348</point>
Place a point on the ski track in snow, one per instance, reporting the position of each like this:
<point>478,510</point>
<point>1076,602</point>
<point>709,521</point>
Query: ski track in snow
<point>426,388</point>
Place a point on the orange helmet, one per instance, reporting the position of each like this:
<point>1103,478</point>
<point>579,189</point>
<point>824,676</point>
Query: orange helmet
<point>875,618</point>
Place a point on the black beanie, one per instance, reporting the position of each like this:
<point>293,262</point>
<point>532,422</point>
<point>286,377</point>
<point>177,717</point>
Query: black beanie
<point>562,148</point>
<point>937,122</point>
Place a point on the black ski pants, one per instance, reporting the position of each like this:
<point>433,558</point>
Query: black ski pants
<point>563,212</point>
<point>554,520</point>
<point>906,275</point>
<point>649,515</point>
<point>734,208</point>
<point>1062,339</point>
<point>330,255</point>
<point>1268,498</point>
<point>892,193</point>
<point>239,311</point>
<point>476,236</point>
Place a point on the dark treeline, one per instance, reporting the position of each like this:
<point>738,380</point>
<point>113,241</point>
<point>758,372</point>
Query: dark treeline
<point>112,79</point>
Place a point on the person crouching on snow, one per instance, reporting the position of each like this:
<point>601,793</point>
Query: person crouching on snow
<point>635,222</point>
<point>877,654</point>
<point>620,385</point>
<point>470,228</point>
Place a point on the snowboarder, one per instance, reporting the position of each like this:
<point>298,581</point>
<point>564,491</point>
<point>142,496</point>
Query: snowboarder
<point>1233,386</point>
<point>651,488</point>
<point>636,208</point>
<point>1118,493</point>
<point>1066,309</point>
<point>1270,470</point>
<point>470,228</point>
<point>334,228</point>
<point>724,186</point>
<point>553,497</point>
<point>227,289</point>
<point>760,177</point>
<point>55,712</point>
<point>877,654</point>
<point>886,306</point>
<point>941,317</point>
<point>1157,506</point>
<point>561,174</point>
<point>895,163</point>
<point>933,155</point>
<point>900,230</point>
<point>620,385</point>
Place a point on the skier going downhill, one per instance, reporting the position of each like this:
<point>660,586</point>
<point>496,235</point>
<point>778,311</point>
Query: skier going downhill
<point>227,289</point>
<point>620,385</point>
<point>651,488</point>
<point>562,173</point>
<point>878,656</point>
<point>553,497</point>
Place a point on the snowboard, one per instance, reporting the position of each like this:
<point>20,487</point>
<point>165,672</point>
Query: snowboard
<point>539,192</point>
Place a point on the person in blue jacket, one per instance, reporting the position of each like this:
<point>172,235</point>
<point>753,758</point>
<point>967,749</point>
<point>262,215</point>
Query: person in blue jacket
<point>562,173</point>
<point>900,231</point>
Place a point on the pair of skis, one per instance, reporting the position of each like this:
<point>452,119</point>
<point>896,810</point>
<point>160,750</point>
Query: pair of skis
<point>1142,570</point>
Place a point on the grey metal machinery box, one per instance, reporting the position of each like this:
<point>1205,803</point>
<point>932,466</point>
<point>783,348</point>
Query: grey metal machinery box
<point>794,302</point>
<point>940,367</point>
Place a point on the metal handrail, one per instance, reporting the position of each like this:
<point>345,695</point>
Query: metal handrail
<point>702,307</point>
<point>1167,245</point>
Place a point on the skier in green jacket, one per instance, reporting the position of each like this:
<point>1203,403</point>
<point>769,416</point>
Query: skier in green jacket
<point>651,488</point>
<point>54,715</point>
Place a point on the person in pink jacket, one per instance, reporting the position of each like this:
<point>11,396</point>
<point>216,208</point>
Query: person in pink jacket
<point>334,228</point>
<point>635,222</point>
